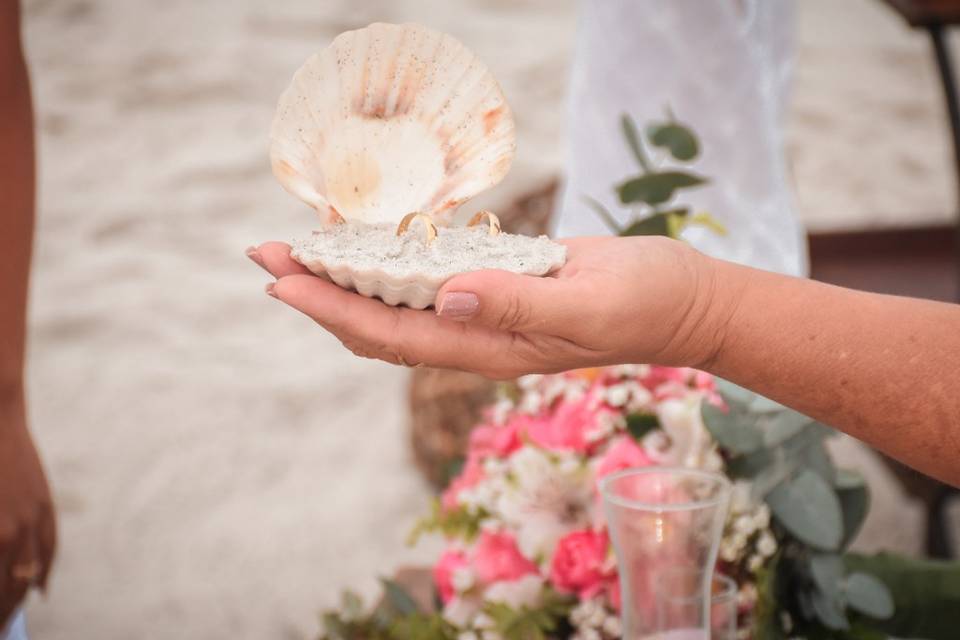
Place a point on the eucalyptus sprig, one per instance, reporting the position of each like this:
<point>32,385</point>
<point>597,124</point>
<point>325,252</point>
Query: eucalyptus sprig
<point>650,192</point>
<point>817,509</point>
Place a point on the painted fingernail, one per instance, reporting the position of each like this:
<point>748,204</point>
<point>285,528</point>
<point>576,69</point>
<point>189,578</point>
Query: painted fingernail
<point>458,305</point>
<point>254,255</point>
<point>269,290</point>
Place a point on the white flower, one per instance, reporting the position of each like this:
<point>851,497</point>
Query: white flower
<point>689,438</point>
<point>467,635</point>
<point>744,525</point>
<point>523,592</point>
<point>747,596</point>
<point>492,635</point>
<point>761,517</point>
<point>545,499</point>
<point>617,395</point>
<point>612,627</point>
<point>767,544</point>
<point>754,563</point>
<point>500,410</point>
<point>463,579</point>
<point>531,402</point>
<point>483,621</point>
<point>460,611</point>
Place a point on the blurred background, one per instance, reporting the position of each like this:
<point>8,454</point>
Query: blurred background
<point>222,467</point>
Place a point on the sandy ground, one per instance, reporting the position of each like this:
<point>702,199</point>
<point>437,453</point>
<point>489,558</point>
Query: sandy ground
<point>222,467</point>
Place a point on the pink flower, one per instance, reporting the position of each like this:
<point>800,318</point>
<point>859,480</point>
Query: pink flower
<point>578,563</point>
<point>567,427</point>
<point>450,561</point>
<point>705,383</point>
<point>496,558</point>
<point>471,475</point>
<point>496,440</point>
<point>624,453</point>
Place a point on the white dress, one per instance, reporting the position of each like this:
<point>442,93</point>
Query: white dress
<point>723,67</point>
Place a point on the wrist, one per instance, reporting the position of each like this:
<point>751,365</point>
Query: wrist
<point>714,293</point>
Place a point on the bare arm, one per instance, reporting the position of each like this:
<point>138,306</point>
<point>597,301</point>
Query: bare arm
<point>17,187</point>
<point>882,368</point>
<point>27,528</point>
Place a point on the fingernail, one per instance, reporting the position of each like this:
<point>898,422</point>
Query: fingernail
<point>458,305</point>
<point>269,290</point>
<point>254,255</point>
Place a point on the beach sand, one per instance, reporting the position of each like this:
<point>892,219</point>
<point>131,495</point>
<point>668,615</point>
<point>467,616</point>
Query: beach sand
<point>222,467</point>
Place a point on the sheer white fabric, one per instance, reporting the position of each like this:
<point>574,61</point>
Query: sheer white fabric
<point>723,67</point>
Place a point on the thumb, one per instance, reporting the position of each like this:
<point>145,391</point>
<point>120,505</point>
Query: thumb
<point>508,301</point>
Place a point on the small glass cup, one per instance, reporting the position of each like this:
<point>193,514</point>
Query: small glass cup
<point>679,603</point>
<point>665,524</point>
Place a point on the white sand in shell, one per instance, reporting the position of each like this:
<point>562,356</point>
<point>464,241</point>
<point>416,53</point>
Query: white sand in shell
<point>454,250</point>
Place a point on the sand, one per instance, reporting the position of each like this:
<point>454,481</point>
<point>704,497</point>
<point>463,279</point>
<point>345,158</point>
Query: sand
<point>222,467</point>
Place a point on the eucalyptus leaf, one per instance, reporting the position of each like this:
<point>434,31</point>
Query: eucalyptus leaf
<point>731,429</point>
<point>808,508</point>
<point>829,612</point>
<point>926,594</point>
<point>816,458</point>
<point>827,571</point>
<point>868,595</point>
<point>762,404</point>
<point>749,465</point>
<point>849,479</point>
<point>676,138</point>
<point>734,393</point>
<point>656,188</point>
<point>782,426</point>
<point>655,225</point>
<point>633,141</point>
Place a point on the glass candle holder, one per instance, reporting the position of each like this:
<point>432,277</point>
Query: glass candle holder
<point>665,524</point>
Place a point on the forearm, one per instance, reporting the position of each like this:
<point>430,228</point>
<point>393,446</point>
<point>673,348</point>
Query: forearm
<point>17,202</point>
<point>884,369</point>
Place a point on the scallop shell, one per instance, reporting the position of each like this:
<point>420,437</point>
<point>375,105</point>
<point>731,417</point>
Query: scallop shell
<point>391,119</point>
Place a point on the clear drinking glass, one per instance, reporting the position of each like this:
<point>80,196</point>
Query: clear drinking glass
<point>665,524</point>
<point>723,602</point>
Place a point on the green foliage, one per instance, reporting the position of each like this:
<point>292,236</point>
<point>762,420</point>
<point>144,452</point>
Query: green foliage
<point>640,424</point>
<point>925,594</point>
<point>817,510</point>
<point>809,509</point>
<point>677,139</point>
<point>527,623</point>
<point>656,188</point>
<point>462,523</point>
<point>650,192</point>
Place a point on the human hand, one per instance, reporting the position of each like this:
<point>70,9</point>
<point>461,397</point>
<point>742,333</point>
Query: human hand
<point>616,300</point>
<point>27,525</point>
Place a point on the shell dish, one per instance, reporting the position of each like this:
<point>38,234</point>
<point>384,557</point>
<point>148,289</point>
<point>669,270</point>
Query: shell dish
<point>391,119</point>
<point>385,133</point>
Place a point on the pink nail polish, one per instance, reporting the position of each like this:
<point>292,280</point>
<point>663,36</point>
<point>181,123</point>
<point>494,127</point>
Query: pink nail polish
<point>254,255</point>
<point>458,305</point>
<point>269,290</point>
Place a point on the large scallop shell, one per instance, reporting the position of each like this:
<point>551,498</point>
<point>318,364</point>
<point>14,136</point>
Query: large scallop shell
<point>391,119</point>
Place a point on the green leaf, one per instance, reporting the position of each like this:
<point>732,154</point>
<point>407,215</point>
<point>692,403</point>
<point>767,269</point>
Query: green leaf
<point>633,141</point>
<point>680,141</point>
<point>398,597</point>
<point>657,188</point>
<point>855,503</point>
<point>868,595</point>
<point>828,611</point>
<point>762,404</point>
<point>926,594</point>
<point>782,426</point>
<point>827,571</point>
<point>604,214</point>
<point>731,429</point>
<point>655,225</point>
<point>816,458</point>
<point>734,393</point>
<point>751,464</point>
<point>809,510</point>
<point>640,424</point>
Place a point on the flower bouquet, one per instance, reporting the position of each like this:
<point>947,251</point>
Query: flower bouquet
<point>528,555</point>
